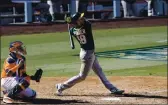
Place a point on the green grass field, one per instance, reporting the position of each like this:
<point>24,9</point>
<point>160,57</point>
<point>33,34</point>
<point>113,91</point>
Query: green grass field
<point>52,52</point>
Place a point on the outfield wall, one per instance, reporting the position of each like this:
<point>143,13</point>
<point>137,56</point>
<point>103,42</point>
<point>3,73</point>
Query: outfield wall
<point>32,28</point>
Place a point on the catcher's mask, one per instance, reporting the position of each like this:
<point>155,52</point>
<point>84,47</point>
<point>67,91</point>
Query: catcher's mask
<point>18,48</point>
<point>73,19</point>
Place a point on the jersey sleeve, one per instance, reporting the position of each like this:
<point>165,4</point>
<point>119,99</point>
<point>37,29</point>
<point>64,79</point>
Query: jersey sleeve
<point>89,27</point>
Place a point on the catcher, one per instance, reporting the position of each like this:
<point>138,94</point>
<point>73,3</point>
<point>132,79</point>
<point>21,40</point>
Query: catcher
<point>82,31</point>
<point>14,79</point>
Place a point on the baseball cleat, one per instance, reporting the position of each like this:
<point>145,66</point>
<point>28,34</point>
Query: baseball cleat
<point>116,91</point>
<point>7,100</point>
<point>58,88</point>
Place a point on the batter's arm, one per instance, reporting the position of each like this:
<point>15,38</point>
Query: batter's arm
<point>71,38</point>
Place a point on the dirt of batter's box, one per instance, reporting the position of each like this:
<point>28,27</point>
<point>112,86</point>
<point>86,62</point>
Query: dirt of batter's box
<point>138,90</point>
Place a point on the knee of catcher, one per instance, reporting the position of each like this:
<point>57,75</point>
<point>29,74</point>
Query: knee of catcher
<point>34,94</point>
<point>24,84</point>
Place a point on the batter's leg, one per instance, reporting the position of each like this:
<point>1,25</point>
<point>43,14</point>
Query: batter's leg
<point>86,65</point>
<point>98,71</point>
<point>84,70</point>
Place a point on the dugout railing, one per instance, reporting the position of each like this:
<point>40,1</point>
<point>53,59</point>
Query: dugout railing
<point>91,14</point>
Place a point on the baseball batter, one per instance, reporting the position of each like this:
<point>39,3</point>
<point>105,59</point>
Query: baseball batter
<point>14,79</point>
<point>82,31</point>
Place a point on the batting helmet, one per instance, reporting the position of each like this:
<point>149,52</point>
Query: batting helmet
<point>74,18</point>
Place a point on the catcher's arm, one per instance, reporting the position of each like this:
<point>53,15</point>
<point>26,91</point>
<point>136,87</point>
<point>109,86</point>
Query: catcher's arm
<point>37,75</point>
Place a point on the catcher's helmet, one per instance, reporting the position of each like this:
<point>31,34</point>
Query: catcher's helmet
<point>74,18</point>
<point>17,47</point>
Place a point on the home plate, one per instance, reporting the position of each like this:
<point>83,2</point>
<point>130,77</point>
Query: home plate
<point>111,99</point>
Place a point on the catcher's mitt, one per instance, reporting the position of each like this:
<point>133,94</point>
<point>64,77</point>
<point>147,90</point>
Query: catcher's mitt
<point>37,75</point>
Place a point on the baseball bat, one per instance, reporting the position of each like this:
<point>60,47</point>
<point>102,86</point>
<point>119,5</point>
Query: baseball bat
<point>71,38</point>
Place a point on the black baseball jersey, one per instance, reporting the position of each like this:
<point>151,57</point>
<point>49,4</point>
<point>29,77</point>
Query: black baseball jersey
<point>84,36</point>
